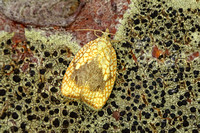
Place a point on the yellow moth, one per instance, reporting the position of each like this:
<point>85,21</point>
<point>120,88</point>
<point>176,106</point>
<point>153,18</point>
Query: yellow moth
<point>91,74</point>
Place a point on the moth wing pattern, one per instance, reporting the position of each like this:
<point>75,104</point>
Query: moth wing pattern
<point>91,74</point>
<point>69,87</point>
<point>97,99</point>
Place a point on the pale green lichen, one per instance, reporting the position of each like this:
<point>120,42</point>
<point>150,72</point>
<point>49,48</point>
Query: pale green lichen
<point>5,35</point>
<point>75,116</point>
<point>54,40</point>
<point>185,4</point>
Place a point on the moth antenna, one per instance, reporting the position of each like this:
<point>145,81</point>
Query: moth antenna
<point>95,33</point>
<point>87,30</point>
<point>107,30</point>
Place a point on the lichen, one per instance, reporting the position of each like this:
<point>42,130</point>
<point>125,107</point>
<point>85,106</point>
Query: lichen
<point>156,90</point>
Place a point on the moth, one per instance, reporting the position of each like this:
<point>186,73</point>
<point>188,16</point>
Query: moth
<point>91,74</point>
